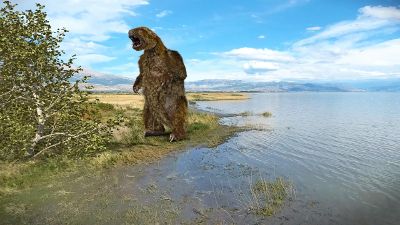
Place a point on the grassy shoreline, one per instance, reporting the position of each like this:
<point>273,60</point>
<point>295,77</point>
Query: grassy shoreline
<point>129,147</point>
<point>106,189</point>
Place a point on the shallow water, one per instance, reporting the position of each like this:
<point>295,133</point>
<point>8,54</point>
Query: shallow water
<point>342,150</point>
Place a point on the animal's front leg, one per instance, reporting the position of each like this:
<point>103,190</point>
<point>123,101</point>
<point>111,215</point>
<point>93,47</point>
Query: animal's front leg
<point>138,84</point>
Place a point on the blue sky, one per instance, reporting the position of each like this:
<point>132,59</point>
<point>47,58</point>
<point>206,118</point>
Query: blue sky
<point>261,40</point>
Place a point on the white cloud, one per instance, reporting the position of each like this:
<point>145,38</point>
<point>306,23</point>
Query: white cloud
<point>363,48</point>
<point>89,23</point>
<point>261,37</point>
<point>87,52</point>
<point>82,47</point>
<point>313,28</point>
<point>88,59</point>
<point>370,18</point>
<point>163,13</point>
<point>381,12</point>
<point>337,61</point>
<point>258,54</point>
<point>257,67</point>
<point>383,54</point>
<point>214,68</point>
<point>130,70</point>
<point>90,18</point>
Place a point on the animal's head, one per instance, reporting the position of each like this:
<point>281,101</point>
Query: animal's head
<point>143,38</point>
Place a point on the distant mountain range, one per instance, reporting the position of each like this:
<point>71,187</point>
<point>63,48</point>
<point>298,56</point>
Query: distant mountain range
<point>247,86</point>
<point>106,82</point>
<point>112,83</point>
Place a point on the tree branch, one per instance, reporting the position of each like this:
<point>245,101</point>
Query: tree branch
<point>70,137</point>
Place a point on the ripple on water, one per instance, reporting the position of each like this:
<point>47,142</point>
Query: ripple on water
<point>341,149</point>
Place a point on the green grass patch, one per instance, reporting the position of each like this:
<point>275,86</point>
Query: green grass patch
<point>246,113</point>
<point>104,106</point>
<point>266,114</point>
<point>22,175</point>
<point>196,126</point>
<point>268,197</point>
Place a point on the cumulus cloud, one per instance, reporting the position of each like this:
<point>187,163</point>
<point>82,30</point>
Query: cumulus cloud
<point>89,23</point>
<point>91,18</point>
<point>357,49</point>
<point>381,12</point>
<point>257,67</point>
<point>261,37</point>
<point>163,13</point>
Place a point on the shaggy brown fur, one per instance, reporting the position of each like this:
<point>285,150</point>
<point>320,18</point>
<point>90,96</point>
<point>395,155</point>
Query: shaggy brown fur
<point>162,75</point>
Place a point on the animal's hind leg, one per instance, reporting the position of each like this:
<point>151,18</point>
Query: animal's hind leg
<point>178,120</point>
<point>152,125</point>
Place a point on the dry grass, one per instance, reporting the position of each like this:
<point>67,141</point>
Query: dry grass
<point>125,100</point>
<point>217,96</point>
<point>137,101</point>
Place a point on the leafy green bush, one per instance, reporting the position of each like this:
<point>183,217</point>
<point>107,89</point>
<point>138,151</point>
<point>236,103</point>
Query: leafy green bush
<point>41,113</point>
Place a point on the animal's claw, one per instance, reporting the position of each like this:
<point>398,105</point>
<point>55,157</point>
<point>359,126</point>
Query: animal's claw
<point>172,138</point>
<point>136,89</point>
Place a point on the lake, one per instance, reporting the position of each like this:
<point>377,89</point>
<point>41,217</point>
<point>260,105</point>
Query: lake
<point>341,150</point>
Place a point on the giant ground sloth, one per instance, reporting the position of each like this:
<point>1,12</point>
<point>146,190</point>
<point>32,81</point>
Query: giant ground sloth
<point>162,75</point>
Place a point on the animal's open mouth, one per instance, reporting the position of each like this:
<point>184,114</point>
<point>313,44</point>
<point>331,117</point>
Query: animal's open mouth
<point>136,41</point>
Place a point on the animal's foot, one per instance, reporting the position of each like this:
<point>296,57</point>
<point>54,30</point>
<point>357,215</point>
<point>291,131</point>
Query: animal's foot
<point>174,137</point>
<point>154,133</point>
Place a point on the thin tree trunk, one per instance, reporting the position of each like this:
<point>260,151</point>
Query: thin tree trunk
<point>39,127</point>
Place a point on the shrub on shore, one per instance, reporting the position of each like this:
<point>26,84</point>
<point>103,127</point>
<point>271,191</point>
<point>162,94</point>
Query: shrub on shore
<point>266,114</point>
